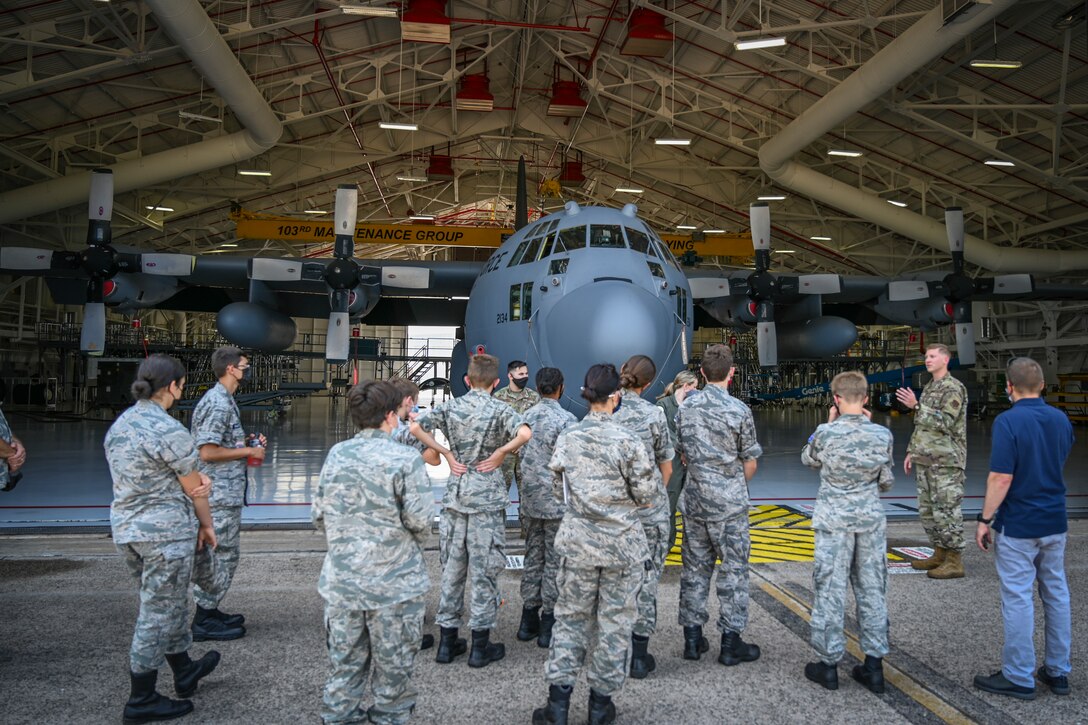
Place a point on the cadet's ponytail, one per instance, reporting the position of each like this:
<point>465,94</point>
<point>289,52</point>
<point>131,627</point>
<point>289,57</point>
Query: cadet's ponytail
<point>637,372</point>
<point>601,381</point>
<point>156,373</point>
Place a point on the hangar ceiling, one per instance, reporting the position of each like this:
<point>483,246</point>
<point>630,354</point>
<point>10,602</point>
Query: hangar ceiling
<point>146,88</point>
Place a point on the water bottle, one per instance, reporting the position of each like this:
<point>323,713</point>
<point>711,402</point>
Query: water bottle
<point>254,441</point>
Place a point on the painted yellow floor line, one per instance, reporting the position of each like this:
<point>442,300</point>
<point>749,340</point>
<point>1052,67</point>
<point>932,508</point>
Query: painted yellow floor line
<point>944,710</point>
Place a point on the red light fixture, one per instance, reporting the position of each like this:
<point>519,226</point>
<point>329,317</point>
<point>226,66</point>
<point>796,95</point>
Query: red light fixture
<point>425,21</point>
<point>647,35</point>
<point>571,174</point>
<point>475,93</point>
<point>439,168</point>
<point>566,100</point>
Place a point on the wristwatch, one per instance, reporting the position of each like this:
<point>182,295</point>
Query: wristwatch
<point>978,518</point>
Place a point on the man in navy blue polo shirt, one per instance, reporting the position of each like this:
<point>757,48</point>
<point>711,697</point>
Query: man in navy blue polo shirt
<point>1025,507</point>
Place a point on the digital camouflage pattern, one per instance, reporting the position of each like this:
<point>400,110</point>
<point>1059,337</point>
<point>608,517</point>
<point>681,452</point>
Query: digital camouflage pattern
<point>547,419</point>
<point>854,456</point>
<point>388,638</point>
<point>716,434</point>
<point>6,436</point>
<point>940,499</point>
<point>520,401</point>
<point>603,472</point>
<point>538,577</point>
<point>147,452</point>
<point>475,425</point>
<point>216,420</point>
<point>704,543</point>
<point>473,549</point>
<point>403,435</point>
<point>596,608</point>
<point>675,484</point>
<point>647,421</point>
<point>227,521</point>
<point>374,504</point>
<point>940,425</point>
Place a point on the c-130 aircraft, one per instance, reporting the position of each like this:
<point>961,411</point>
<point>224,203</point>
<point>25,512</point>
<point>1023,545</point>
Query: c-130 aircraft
<point>577,287</point>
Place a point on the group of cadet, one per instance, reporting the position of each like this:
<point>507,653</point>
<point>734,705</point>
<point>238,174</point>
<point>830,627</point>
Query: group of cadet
<point>598,498</point>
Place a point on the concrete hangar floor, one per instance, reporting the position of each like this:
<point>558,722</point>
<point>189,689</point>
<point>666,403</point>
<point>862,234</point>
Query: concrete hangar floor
<point>72,604</point>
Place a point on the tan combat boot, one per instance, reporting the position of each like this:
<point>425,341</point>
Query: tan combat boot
<point>952,568</point>
<point>932,562</point>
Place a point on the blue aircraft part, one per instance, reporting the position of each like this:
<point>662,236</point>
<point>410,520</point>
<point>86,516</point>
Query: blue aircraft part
<point>255,327</point>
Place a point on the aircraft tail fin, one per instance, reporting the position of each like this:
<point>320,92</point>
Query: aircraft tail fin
<point>521,199</point>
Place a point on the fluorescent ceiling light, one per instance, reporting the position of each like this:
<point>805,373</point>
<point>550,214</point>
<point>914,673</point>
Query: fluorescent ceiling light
<point>398,126</point>
<point>820,239</point>
<point>998,162</point>
<point>844,152</point>
<point>228,244</point>
<point>314,211</point>
<point>368,10</point>
<point>628,190</point>
<point>422,217</point>
<point>685,226</point>
<point>758,43</point>
<point>412,178</point>
<point>1006,64</point>
<point>253,172</point>
<point>713,231</point>
<point>785,251</point>
<point>161,208</point>
<point>895,202</point>
<point>199,117</point>
<point>780,197</point>
<point>672,141</point>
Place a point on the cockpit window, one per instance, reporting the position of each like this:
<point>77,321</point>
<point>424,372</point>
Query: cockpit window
<point>606,235</point>
<point>559,266</point>
<point>531,251</point>
<point>571,238</point>
<point>518,253</point>
<point>665,253</point>
<point>638,241</point>
<point>546,248</point>
<point>655,269</point>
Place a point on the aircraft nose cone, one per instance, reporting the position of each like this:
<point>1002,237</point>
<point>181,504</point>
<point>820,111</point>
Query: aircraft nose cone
<point>607,321</point>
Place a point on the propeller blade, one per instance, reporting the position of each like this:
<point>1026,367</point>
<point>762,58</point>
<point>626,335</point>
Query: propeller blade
<point>25,259</point>
<point>953,224</point>
<point>759,214</point>
<point>406,277</point>
<point>275,270</point>
<point>965,342</point>
<point>708,288</point>
<point>1014,284</point>
<point>346,212</point>
<point>92,338</point>
<point>819,284</point>
<point>767,344</point>
<point>337,339</point>
<point>100,206</point>
<point>167,265</point>
<point>906,290</point>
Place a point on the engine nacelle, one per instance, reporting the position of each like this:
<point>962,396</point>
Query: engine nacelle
<point>820,337</point>
<point>252,326</point>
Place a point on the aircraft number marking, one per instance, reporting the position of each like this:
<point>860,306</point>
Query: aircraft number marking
<point>501,318</point>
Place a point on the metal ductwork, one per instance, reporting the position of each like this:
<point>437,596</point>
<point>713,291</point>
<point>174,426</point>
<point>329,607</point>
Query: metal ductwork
<point>923,42</point>
<point>189,26</point>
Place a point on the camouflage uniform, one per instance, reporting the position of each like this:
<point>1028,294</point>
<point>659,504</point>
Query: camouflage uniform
<point>154,527</point>
<point>938,451</point>
<point>472,527</point>
<point>541,511</point>
<point>374,503</point>
<point>716,434</point>
<point>6,436</point>
<point>647,421</point>
<point>216,420</point>
<point>403,435</point>
<point>854,456</point>
<point>521,402</point>
<point>602,472</point>
<point>675,484</point>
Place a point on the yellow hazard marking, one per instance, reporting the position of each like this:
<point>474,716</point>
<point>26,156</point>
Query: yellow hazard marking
<point>945,711</point>
<point>778,533</point>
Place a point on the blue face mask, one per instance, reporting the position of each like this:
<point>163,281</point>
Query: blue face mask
<point>619,403</point>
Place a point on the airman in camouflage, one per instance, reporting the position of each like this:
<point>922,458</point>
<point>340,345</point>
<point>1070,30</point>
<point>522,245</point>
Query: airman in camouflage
<point>160,517</point>
<point>854,456</point>
<point>602,472</point>
<point>12,455</point>
<point>540,511</point>
<point>373,502</point>
<point>647,422</point>
<point>217,428</point>
<point>716,436</point>
<point>519,396</point>
<point>938,454</point>
<point>481,432</point>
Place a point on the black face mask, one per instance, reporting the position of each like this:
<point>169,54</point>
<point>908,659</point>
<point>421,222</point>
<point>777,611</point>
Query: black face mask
<point>520,383</point>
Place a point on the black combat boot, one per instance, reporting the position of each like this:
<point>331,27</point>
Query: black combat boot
<point>426,642</point>
<point>547,621</point>
<point>642,662</point>
<point>870,674</point>
<point>601,709</point>
<point>694,642</point>
<point>824,675</point>
<point>483,651</point>
<point>206,626</point>
<point>449,645</point>
<point>231,620</point>
<point>146,705</point>
<point>735,650</point>
<point>187,673</point>
<point>530,624</point>
<point>555,712</point>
